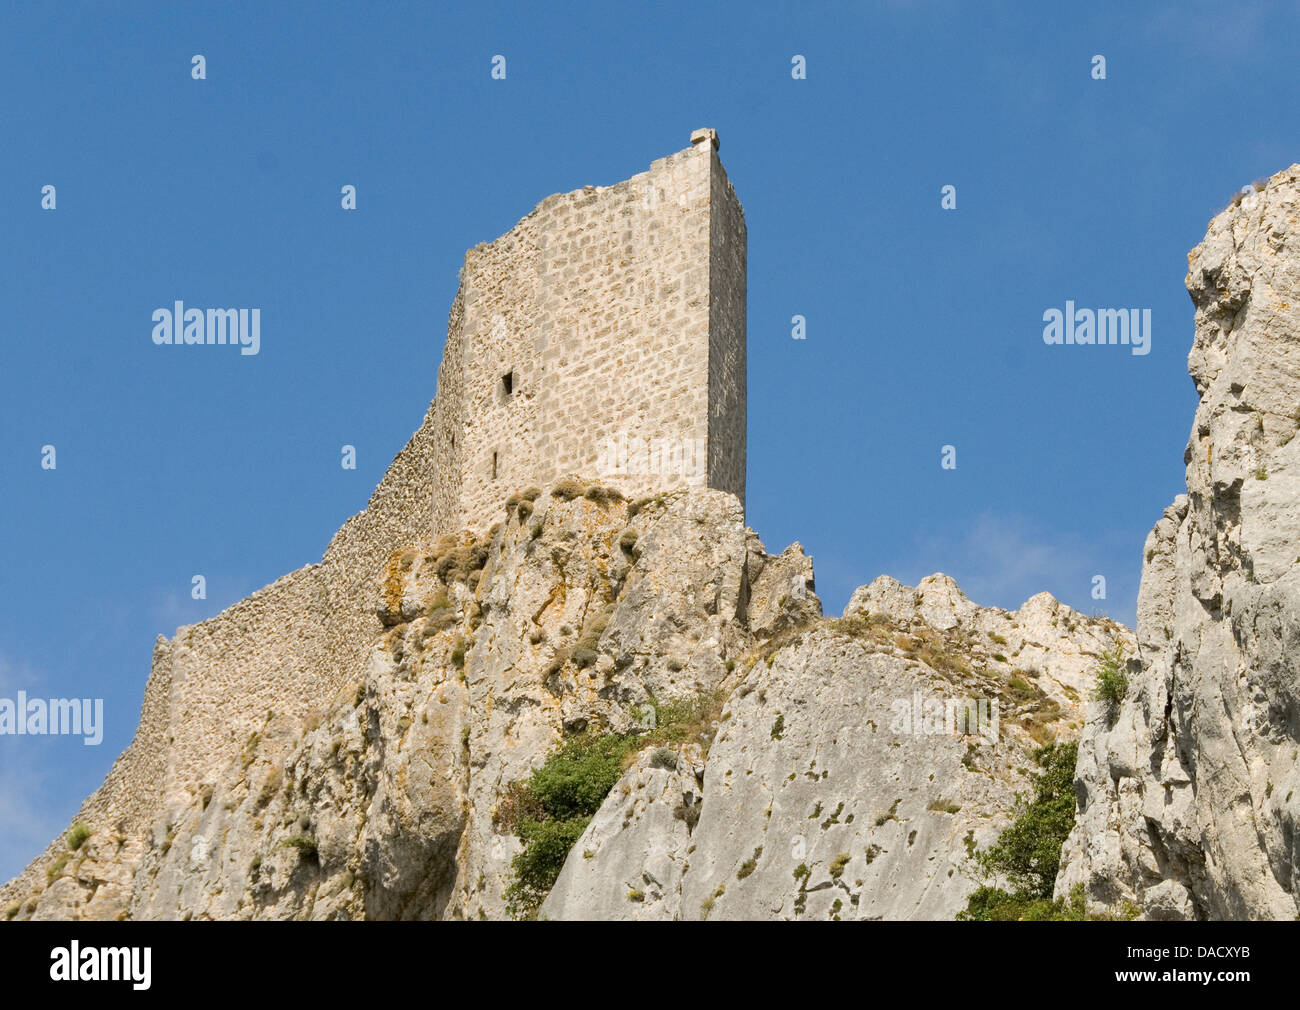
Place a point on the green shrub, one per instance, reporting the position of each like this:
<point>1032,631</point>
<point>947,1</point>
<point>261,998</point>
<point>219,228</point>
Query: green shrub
<point>1027,854</point>
<point>594,628</point>
<point>992,904</point>
<point>536,868</point>
<point>1112,678</point>
<point>637,506</point>
<point>603,495</point>
<point>440,613</point>
<point>664,758</point>
<point>688,812</point>
<point>55,869</point>
<point>554,808</point>
<point>1022,690</point>
<point>305,844</point>
<point>77,836</point>
<point>568,489</point>
<point>576,779</point>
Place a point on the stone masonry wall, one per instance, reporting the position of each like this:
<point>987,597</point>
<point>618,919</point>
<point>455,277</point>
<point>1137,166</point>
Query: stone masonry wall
<point>618,314</point>
<point>727,321</point>
<point>285,650</point>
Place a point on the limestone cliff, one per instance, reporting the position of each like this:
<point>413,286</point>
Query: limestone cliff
<point>817,780</point>
<point>1189,790</point>
<point>836,788</point>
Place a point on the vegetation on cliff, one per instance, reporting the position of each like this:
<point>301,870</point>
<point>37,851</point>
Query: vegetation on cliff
<point>1027,854</point>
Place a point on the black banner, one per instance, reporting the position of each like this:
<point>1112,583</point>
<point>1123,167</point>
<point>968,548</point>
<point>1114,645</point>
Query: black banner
<point>951,960</point>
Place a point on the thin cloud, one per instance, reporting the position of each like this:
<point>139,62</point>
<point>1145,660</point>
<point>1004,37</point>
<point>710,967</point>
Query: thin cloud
<point>25,811</point>
<point>1003,560</point>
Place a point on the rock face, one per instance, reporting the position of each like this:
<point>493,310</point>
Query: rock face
<point>833,778</point>
<point>837,787</point>
<point>1189,792</point>
<point>573,611</point>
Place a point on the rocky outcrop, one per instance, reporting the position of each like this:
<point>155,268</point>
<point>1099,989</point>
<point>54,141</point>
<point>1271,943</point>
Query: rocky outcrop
<point>843,781</point>
<point>572,613</point>
<point>1189,790</point>
<point>842,768</point>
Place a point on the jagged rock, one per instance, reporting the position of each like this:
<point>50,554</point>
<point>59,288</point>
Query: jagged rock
<point>1189,793</point>
<point>1045,644</point>
<point>936,601</point>
<point>574,612</point>
<point>834,787</point>
<point>835,744</point>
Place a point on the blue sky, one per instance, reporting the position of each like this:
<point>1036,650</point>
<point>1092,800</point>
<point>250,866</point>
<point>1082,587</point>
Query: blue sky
<point>924,325</point>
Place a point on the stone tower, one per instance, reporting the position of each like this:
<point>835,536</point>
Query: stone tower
<point>603,336</point>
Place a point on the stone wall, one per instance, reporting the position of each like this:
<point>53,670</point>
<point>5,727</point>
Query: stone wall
<point>604,335</point>
<point>727,360</point>
<point>283,652</point>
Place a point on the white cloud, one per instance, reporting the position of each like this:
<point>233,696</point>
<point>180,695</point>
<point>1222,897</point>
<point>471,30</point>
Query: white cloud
<point>1003,560</point>
<point>17,676</point>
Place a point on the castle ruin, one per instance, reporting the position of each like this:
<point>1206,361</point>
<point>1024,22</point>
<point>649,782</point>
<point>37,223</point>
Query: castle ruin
<point>604,335</point>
